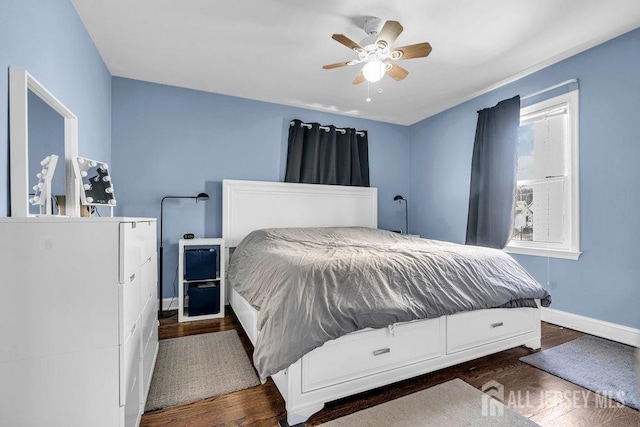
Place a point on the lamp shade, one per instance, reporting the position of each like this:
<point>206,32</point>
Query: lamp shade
<point>374,71</point>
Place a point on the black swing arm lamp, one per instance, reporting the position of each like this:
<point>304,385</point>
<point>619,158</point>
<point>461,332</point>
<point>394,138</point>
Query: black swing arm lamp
<point>201,197</point>
<point>401,199</point>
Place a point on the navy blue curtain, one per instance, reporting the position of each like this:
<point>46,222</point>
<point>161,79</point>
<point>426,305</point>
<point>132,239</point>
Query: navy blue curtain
<point>324,155</point>
<point>493,175</point>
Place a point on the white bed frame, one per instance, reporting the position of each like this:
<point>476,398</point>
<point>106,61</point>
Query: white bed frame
<point>369,358</point>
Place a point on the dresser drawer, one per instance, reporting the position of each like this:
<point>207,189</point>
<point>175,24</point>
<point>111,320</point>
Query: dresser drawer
<point>148,362</point>
<point>147,235</point>
<point>130,250</point>
<point>129,306</point>
<point>148,282</point>
<point>366,352</point>
<point>474,328</point>
<point>149,321</point>
<point>130,364</point>
<point>137,245</point>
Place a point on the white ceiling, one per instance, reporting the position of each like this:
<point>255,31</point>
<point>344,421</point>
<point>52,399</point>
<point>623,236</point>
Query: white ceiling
<point>274,50</point>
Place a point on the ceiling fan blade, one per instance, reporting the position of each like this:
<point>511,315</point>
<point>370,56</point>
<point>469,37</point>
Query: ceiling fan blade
<point>337,64</point>
<point>396,72</point>
<point>390,32</point>
<point>419,50</point>
<point>359,78</point>
<point>341,38</point>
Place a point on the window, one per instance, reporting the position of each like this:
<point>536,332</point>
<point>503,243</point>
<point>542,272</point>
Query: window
<point>546,202</point>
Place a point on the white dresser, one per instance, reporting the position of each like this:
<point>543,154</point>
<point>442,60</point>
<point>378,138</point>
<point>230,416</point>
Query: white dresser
<point>80,331</point>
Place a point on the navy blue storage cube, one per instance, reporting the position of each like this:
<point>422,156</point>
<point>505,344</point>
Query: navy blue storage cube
<point>200,264</point>
<point>204,298</point>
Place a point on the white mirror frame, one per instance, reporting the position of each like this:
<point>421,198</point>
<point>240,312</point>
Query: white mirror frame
<point>20,82</point>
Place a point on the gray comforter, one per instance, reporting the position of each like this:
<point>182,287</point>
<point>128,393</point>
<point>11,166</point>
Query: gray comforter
<point>312,285</point>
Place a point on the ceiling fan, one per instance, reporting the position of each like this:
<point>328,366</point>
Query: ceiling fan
<point>376,53</point>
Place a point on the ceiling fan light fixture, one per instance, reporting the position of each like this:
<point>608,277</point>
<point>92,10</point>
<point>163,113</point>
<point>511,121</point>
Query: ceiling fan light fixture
<point>396,55</point>
<point>373,71</point>
<point>376,54</point>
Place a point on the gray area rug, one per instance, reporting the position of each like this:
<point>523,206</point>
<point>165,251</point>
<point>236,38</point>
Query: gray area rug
<point>454,403</point>
<point>602,366</point>
<point>199,366</point>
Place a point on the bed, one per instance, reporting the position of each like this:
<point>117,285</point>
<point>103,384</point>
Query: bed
<point>364,358</point>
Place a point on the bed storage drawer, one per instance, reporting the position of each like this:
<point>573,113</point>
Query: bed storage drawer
<point>371,351</point>
<point>474,328</point>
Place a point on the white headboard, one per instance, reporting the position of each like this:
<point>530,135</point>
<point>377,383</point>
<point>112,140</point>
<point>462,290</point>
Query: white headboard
<point>253,205</point>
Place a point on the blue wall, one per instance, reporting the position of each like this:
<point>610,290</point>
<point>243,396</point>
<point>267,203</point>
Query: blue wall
<point>604,282</point>
<point>168,140</point>
<point>174,141</point>
<point>48,39</point>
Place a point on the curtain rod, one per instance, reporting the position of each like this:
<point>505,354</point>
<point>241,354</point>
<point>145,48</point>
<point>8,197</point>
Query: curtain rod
<point>547,89</point>
<point>326,128</point>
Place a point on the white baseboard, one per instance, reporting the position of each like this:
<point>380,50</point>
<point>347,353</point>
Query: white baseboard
<point>599,328</point>
<point>170,303</point>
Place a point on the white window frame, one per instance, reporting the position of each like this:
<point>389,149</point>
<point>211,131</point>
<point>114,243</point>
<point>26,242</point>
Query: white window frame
<point>570,248</point>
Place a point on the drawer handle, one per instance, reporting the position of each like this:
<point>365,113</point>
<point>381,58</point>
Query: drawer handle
<point>382,351</point>
<point>132,278</point>
<point>497,325</point>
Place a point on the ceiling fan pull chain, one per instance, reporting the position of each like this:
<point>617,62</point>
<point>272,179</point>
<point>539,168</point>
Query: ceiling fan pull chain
<point>368,96</point>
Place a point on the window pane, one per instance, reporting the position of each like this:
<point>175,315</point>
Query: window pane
<point>541,149</point>
<point>549,150</point>
<point>538,211</point>
<point>525,152</point>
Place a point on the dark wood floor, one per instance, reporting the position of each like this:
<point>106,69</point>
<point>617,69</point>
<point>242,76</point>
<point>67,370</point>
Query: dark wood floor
<point>542,397</point>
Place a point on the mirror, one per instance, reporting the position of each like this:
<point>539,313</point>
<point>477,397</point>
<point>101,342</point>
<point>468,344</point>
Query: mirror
<point>46,137</point>
<point>27,96</point>
<point>97,188</point>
